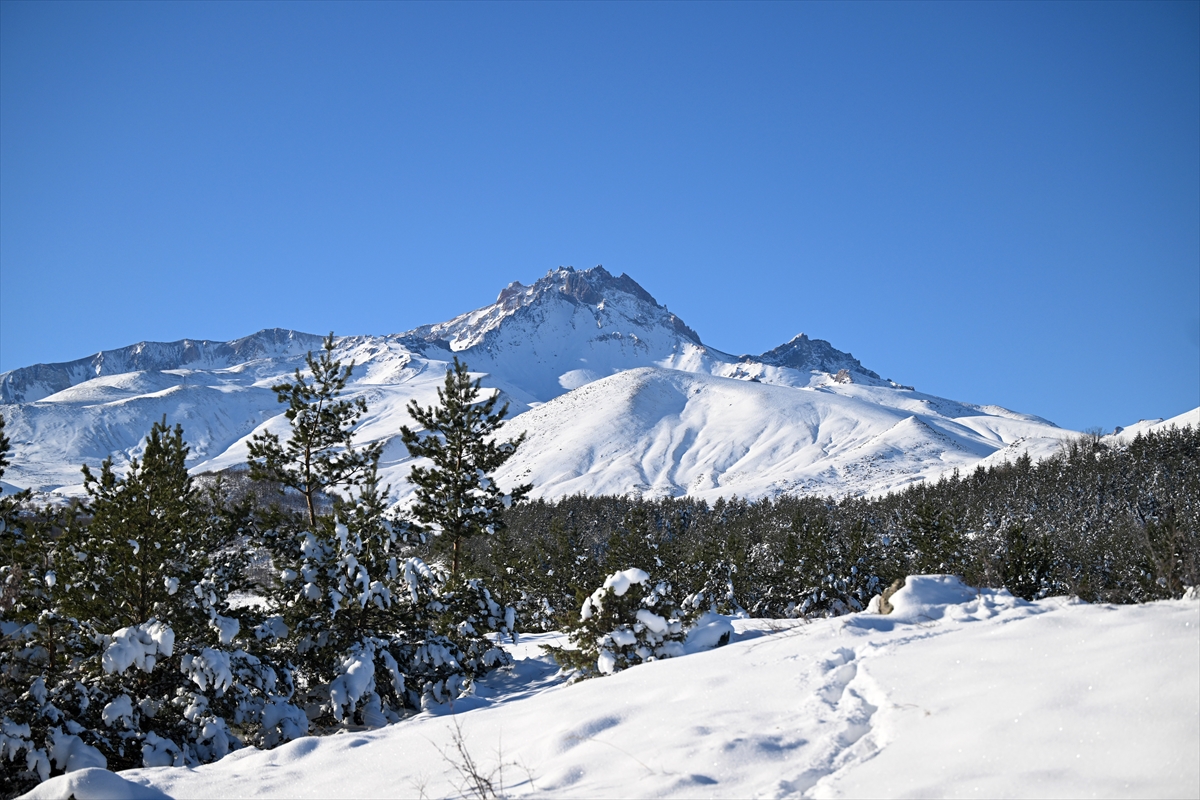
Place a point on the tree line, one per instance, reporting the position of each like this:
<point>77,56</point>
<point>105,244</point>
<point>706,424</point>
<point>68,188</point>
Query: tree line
<point>1104,521</point>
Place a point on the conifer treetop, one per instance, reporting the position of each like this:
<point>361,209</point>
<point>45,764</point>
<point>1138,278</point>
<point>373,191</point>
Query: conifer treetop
<point>320,453</point>
<point>456,497</point>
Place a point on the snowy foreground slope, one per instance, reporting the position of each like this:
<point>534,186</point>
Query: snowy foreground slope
<point>617,394</point>
<point>956,693</point>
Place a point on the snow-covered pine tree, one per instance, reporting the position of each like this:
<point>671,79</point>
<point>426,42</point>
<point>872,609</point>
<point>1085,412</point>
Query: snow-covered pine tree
<point>542,578</point>
<point>372,629</point>
<point>26,651</point>
<point>128,657</point>
<point>836,569</point>
<point>1024,564</point>
<point>5,445</point>
<point>627,621</point>
<point>780,571</point>
<point>456,497</point>
<point>16,552</point>
<point>713,569</point>
<point>935,542</point>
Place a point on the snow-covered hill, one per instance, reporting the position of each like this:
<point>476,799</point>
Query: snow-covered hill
<point>617,394</point>
<point>958,692</point>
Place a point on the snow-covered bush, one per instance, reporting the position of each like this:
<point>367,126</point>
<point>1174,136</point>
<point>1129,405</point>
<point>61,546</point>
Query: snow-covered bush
<point>717,593</point>
<point>627,621</point>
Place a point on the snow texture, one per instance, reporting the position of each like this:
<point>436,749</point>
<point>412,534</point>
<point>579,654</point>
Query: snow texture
<point>958,692</point>
<point>71,753</point>
<point>95,784</point>
<point>620,582</point>
<point>708,631</point>
<point>208,668</point>
<point>358,675</point>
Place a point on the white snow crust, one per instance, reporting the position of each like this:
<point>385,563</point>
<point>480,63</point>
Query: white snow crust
<point>958,692</point>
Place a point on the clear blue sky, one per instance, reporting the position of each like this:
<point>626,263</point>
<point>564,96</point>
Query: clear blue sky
<point>996,203</point>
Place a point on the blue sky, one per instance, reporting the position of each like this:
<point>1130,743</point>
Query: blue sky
<point>996,203</point>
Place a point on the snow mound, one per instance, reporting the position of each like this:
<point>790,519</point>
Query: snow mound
<point>94,784</point>
<point>709,631</point>
<point>924,598</point>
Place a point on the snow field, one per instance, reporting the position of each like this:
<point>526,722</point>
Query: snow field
<point>663,432</point>
<point>957,693</point>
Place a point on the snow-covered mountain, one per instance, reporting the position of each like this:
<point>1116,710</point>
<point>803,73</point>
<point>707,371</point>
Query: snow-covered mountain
<point>617,394</point>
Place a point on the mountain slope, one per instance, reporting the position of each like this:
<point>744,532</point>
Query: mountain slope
<point>616,393</point>
<point>659,432</point>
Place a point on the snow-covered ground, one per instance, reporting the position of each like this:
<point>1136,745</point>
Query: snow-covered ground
<point>957,693</point>
<point>1145,426</point>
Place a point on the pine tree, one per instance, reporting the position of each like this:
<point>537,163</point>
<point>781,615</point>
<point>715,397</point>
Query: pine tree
<point>320,454</point>
<point>936,542</point>
<point>126,655</point>
<point>629,620</point>
<point>4,446</point>
<point>140,538</point>
<point>15,548</point>
<point>1025,565</point>
<point>373,630</point>
<point>370,627</point>
<point>456,497</point>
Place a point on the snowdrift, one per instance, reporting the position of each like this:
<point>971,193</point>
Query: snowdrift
<point>957,692</point>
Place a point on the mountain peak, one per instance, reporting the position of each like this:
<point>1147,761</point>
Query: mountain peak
<point>589,287</point>
<point>592,285</point>
<point>596,288</point>
<point>804,353</point>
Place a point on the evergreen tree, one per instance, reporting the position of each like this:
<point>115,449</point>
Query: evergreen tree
<point>371,628</point>
<point>15,549</point>
<point>456,497</point>
<point>1025,563</point>
<point>936,543</point>
<point>126,655</point>
<point>4,446</point>
<point>141,537</point>
<point>319,454</point>
<point>627,621</point>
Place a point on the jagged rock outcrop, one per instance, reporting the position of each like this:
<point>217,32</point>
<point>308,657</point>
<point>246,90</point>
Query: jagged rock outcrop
<point>804,353</point>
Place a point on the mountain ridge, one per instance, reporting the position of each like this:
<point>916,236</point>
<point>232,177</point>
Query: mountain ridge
<point>464,332</point>
<point>564,352</point>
